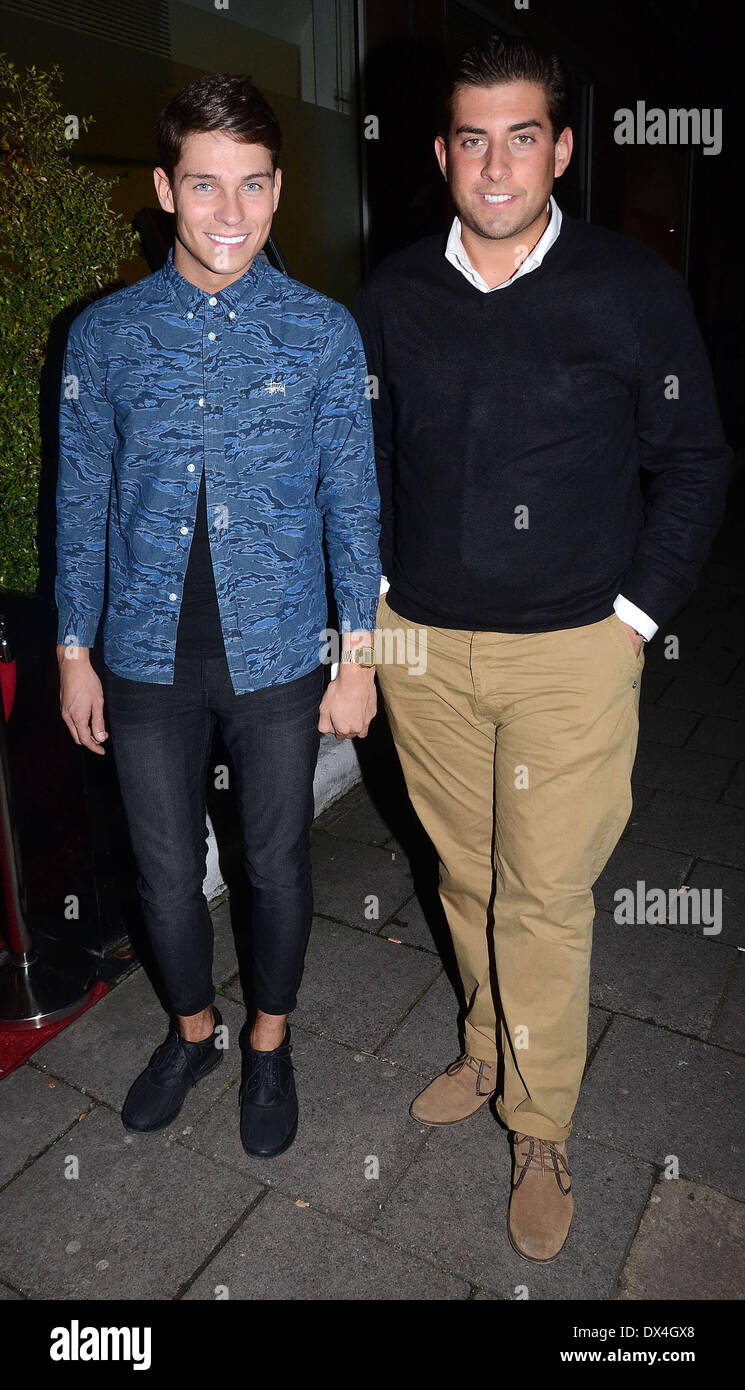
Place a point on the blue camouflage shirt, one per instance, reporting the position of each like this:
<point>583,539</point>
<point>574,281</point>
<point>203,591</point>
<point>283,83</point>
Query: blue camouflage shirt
<point>264,386</point>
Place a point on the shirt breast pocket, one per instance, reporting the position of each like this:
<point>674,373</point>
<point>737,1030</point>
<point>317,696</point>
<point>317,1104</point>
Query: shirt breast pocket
<point>274,423</point>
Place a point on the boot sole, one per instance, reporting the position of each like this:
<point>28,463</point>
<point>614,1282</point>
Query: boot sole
<point>153,1129</point>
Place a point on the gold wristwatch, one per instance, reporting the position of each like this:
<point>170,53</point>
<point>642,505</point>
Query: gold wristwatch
<point>359,656</point>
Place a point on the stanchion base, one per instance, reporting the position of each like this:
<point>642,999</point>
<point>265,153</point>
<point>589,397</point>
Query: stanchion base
<point>56,983</point>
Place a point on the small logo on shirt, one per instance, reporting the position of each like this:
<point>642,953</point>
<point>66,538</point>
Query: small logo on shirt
<point>274,387</point>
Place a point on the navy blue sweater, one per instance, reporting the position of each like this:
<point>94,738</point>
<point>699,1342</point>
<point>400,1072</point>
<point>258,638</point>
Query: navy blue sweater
<point>545,447</point>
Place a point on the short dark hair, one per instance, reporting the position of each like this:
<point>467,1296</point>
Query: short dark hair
<point>217,101</point>
<point>501,58</point>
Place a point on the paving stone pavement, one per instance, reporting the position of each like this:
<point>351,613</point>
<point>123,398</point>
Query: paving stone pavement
<point>368,1204</point>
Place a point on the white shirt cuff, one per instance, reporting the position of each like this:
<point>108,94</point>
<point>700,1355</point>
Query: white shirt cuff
<point>629,613</point>
<point>384,585</point>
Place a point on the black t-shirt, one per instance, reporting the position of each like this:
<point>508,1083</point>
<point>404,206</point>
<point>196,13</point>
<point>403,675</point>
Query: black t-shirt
<point>199,627</point>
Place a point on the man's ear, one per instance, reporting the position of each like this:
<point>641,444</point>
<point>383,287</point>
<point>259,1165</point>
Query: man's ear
<point>277,186</point>
<point>441,155</point>
<point>563,151</point>
<point>163,190</point>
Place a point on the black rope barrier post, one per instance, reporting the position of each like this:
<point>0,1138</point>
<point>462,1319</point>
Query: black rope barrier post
<point>39,984</point>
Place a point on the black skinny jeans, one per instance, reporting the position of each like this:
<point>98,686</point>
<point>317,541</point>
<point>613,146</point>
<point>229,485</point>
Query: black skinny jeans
<point>161,737</point>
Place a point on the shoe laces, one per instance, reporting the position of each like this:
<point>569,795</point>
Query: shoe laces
<point>166,1055</point>
<point>545,1151</point>
<point>266,1067</point>
<point>466,1059</point>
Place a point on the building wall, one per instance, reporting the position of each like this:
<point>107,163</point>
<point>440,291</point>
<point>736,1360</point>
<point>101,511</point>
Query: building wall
<point>123,84</point>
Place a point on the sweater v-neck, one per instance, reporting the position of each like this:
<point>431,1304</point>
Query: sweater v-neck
<point>551,260</point>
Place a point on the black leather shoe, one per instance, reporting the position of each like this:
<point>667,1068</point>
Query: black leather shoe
<point>268,1100</point>
<point>156,1096</point>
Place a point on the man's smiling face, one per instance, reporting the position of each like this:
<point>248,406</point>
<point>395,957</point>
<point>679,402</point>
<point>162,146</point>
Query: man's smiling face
<point>501,160</point>
<point>224,194</point>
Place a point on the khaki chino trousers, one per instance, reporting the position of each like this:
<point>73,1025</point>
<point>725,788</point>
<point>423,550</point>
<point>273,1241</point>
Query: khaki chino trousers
<point>517,752</point>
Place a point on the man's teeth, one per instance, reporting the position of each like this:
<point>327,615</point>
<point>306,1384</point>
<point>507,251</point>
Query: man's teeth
<point>497,197</point>
<point>226,240</point>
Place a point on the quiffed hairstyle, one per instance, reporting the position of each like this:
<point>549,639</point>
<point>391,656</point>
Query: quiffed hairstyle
<point>218,101</point>
<point>500,58</point>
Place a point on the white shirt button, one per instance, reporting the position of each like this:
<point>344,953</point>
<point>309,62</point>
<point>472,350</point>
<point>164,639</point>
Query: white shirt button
<point>189,314</point>
<point>184,530</point>
<point>211,337</point>
<point>201,400</point>
<point>190,467</point>
<point>172,596</point>
<point>213,301</point>
<point>231,315</point>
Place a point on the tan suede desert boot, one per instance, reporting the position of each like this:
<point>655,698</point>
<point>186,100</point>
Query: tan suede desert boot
<point>457,1093</point>
<point>541,1204</point>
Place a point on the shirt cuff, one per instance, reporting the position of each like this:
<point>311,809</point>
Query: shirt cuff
<point>629,613</point>
<point>384,586</point>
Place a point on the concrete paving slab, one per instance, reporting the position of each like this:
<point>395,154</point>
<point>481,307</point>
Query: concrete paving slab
<point>357,987</point>
<point>734,792</point>
<point>729,1028</point>
<point>731,883</point>
<point>654,973</point>
<point>709,830</point>
<point>682,770</point>
<point>651,1093</point>
<point>355,1137</point>
<point>35,1110</point>
<point>712,660</point>
<point>659,724</point>
<point>361,821</point>
<point>411,926</point>
<point>631,863</point>
<point>690,1245</point>
<point>140,1217</point>
<point>452,1208</point>
<point>428,1039</point>
<point>288,1252</point>
<point>723,737</point>
<point>347,875</point>
<point>690,692</point>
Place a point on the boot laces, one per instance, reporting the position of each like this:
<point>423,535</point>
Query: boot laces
<point>546,1151</point>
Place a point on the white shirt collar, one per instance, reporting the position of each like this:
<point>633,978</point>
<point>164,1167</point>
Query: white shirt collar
<point>455,251</point>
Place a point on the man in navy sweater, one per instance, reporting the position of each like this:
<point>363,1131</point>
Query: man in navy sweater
<point>552,473</point>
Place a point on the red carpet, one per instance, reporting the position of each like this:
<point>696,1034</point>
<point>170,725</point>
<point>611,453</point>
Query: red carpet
<point>16,1047</point>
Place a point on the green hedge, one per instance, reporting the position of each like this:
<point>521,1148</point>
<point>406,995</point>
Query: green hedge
<point>60,244</point>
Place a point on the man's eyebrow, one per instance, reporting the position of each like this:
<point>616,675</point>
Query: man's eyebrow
<point>259,174</point>
<point>477,130</point>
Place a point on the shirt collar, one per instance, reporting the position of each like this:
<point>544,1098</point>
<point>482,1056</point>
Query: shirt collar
<point>230,300</point>
<point>456,253</point>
